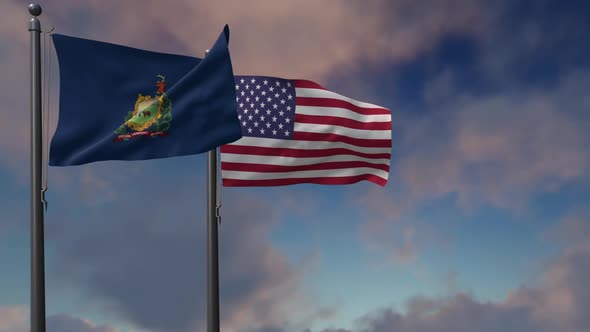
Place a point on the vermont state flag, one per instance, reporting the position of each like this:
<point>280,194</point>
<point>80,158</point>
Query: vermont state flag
<point>123,103</point>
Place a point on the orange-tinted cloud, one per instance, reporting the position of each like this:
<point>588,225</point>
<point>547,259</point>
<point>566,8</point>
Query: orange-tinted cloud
<point>16,319</point>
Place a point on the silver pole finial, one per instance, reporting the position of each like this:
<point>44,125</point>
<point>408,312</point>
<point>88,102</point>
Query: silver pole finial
<point>35,9</point>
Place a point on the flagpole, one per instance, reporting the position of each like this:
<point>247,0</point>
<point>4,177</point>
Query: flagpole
<point>37,241</point>
<point>212,243</point>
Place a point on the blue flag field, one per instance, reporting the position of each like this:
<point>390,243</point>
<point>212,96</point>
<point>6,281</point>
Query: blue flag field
<point>123,103</point>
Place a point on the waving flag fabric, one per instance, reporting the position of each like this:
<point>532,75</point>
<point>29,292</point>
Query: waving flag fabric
<point>123,103</point>
<point>296,131</point>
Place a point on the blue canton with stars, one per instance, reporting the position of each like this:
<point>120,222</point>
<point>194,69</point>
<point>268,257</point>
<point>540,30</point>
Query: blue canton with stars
<point>266,106</point>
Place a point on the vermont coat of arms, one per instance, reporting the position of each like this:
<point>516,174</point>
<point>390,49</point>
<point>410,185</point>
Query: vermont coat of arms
<point>151,116</point>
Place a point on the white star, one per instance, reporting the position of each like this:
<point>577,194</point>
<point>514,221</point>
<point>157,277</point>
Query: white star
<point>287,133</point>
<point>255,124</point>
<point>263,93</point>
<point>256,111</point>
<point>282,101</point>
<point>241,105</point>
<point>249,130</point>
<point>251,92</point>
<point>240,116</point>
<point>247,87</point>
<point>269,99</point>
<point>257,98</point>
<point>289,97</point>
<point>245,111</point>
<point>262,131</point>
<point>262,105</point>
<point>287,120</point>
<point>252,105</point>
<point>275,106</point>
<point>272,89</point>
<point>268,112</point>
<point>247,99</point>
<point>274,132</point>
<point>243,93</point>
<point>276,95</point>
<point>289,84</point>
<point>267,125</point>
<point>237,87</point>
<point>262,118</point>
<point>284,90</point>
<point>265,82</point>
<point>280,126</point>
<point>274,119</point>
<point>244,123</point>
<point>281,113</point>
<point>278,83</point>
<point>242,81</point>
<point>258,87</point>
<point>250,117</point>
<point>253,81</point>
<point>288,108</point>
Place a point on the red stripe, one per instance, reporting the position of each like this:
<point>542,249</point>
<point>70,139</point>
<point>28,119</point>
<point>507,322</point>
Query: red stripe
<point>298,153</point>
<point>289,181</point>
<point>308,84</point>
<point>374,143</point>
<point>263,168</point>
<point>343,122</point>
<point>337,103</point>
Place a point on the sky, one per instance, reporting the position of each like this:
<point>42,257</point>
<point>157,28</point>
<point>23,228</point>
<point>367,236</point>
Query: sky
<point>484,224</point>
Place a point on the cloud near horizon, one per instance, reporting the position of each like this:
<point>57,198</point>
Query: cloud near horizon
<point>558,300</point>
<point>16,319</point>
<point>152,272</point>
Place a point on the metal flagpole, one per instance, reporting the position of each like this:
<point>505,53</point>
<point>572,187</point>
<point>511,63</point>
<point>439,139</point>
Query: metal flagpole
<point>212,243</point>
<point>37,233</point>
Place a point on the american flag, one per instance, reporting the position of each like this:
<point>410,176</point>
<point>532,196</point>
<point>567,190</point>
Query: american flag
<point>296,131</point>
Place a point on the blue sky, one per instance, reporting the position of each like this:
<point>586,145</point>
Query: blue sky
<point>483,225</point>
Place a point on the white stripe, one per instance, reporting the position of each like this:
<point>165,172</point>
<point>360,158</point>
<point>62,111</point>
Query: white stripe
<point>292,161</point>
<point>328,173</point>
<point>305,145</point>
<point>319,93</point>
<point>343,131</point>
<point>342,113</point>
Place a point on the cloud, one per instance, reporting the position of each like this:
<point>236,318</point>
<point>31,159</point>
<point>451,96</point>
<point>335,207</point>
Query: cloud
<point>481,135</point>
<point>391,230</point>
<point>534,43</point>
<point>573,228</point>
<point>145,264</point>
<point>14,57</point>
<point>67,323</point>
<point>559,303</point>
<point>16,319</point>
<point>273,37</point>
<point>500,150</point>
<point>563,297</point>
<point>457,314</point>
<point>557,300</point>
